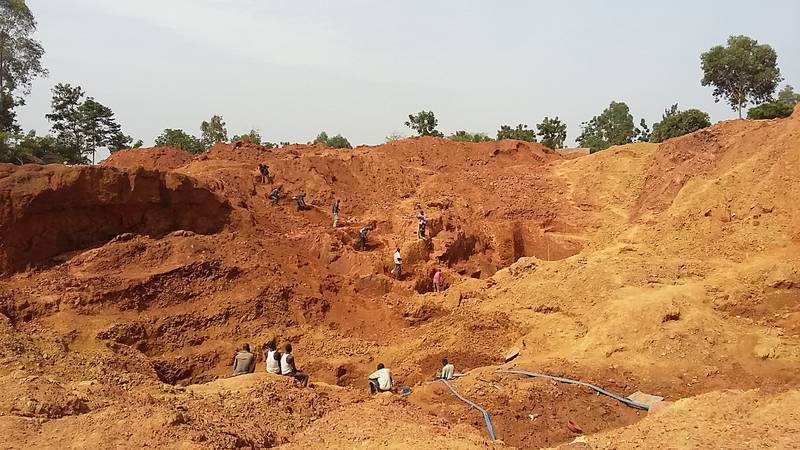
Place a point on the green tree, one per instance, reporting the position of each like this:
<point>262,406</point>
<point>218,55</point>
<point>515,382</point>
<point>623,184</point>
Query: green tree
<point>99,127</point>
<point>643,132</point>
<point>464,136</point>
<point>321,138</point>
<point>84,125</point>
<point>552,132</point>
<point>337,141</point>
<point>676,123</point>
<point>424,123</point>
<point>20,59</point>
<point>179,139</point>
<point>614,126</point>
<point>66,116</point>
<point>520,133</point>
<point>253,137</point>
<point>213,131</point>
<point>783,106</point>
<point>743,72</point>
<point>30,148</point>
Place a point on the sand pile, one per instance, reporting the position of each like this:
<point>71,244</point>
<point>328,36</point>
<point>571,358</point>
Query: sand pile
<point>154,158</point>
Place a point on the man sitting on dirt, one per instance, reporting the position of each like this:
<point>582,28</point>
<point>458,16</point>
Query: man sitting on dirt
<point>272,358</point>
<point>288,367</point>
<point>423,222</point>
<point>362,237</point>
<point>275,194</point>
<point>448,370</point>
<point>380,380</point>
<point>300,201</point>
<point>398,264</point>
<point>244,362</point>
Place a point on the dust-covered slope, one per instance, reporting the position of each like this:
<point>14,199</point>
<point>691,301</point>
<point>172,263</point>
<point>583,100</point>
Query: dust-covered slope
<point>671,269</point>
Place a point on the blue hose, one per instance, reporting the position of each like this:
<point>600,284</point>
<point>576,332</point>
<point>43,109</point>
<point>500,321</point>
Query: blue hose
<point>486,417</point>
<point>624,400</point>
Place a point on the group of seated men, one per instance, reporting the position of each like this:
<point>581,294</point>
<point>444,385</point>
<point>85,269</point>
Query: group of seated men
<point>278,363</point>
<point>283,364</point>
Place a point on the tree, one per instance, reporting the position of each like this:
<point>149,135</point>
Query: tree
<point>520,133</point>
<point>424,123</point>
<point>179,139</point>
<point>20,59</point>
<point>463,136</point>
<point>783,106</point>
<point>552,132</point>
<point>394,136</point>
<point>614,126</point>
<point>66,115</point>
<point>676,123</point>
<point>321,138</point>
<point>213,131</point>
<point>253,137</point>
<point>84,125</point>
<point>337,141</point>
<point>30,148</point>
<point>643,132</point>
<point>99,127</point>
<point>743,72</point>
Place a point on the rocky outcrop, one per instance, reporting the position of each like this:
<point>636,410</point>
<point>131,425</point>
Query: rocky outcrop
<point>48,210</point>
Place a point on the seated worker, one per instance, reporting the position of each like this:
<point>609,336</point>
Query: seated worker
<point>272,358</point>
<point>275,194</point>
<point>244,362</point>
<point>288,367</point>
<point>380,380</point>
<point>300,201</point>
<point>448,370</point>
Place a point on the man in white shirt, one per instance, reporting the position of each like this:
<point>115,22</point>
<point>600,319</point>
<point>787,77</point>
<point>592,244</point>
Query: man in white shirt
<point>398,264</point>
<point>380,380</point>
<point>448,370</point>
<point>273,358</point>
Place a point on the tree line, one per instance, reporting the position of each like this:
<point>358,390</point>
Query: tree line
<point>743,73</point>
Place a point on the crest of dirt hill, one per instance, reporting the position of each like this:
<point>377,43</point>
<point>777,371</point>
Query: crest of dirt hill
<point>153,158</point>
<point>715,151</point>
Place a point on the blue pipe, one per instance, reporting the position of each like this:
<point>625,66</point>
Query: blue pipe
<point>486,417</point>
<point>624,400</point>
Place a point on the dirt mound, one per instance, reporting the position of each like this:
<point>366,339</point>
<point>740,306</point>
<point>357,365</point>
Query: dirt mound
<point>153,158</point>
<point>49,210</point>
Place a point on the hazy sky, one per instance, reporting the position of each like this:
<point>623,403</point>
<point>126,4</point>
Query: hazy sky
<point>291,69</point>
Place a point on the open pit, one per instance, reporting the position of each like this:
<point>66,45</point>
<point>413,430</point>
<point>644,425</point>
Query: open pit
<point>128,287</point>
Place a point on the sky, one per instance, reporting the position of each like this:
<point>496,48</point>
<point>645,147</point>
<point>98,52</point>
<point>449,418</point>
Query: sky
<point>291,69</point>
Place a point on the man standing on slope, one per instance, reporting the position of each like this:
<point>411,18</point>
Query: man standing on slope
<point>362,237</point>
<point>335,211</point>
<point>398,264</point>
<point>423,223</point>
<point>380,380</point>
